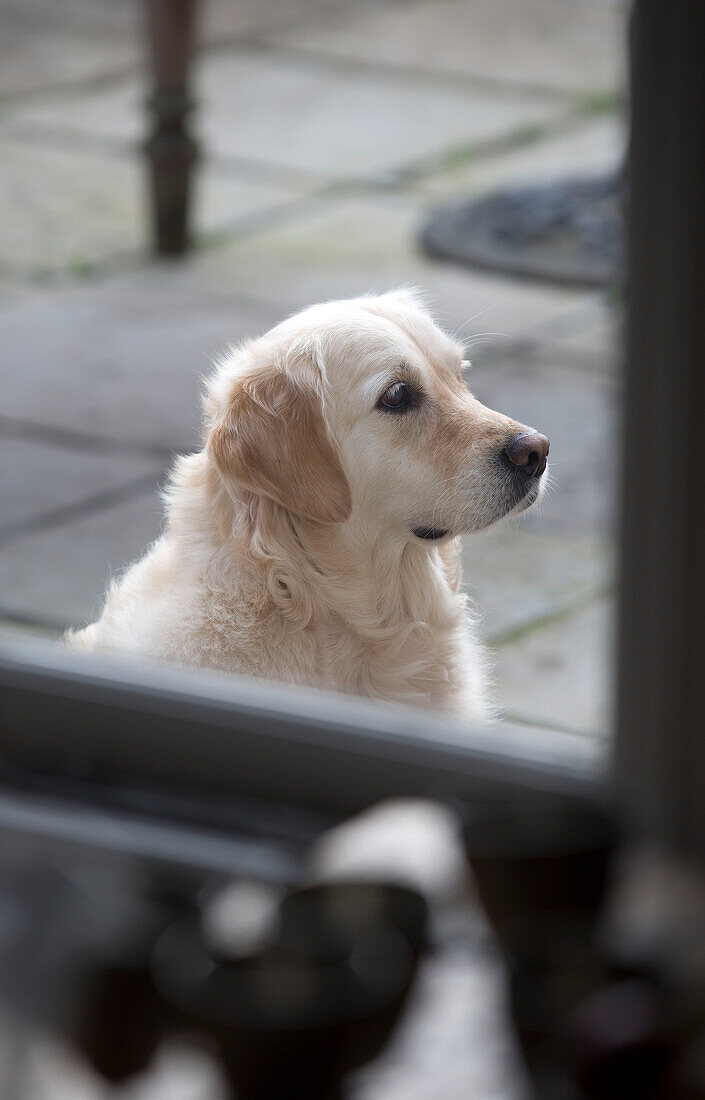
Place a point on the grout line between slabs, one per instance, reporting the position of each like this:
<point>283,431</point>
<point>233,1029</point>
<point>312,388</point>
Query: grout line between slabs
<point>66,514</point>
<point>70,439</point>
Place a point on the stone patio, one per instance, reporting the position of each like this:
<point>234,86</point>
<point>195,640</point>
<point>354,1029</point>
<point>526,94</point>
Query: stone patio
<point>329,131</point>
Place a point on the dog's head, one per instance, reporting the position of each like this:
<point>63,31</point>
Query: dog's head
<point>358,408</point>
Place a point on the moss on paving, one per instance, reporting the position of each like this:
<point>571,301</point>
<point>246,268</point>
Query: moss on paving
<point>549,618</point>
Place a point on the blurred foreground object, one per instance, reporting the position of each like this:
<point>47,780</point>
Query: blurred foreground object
<point>605,954</point>
<point>115,962</point>
<point>411,842</point>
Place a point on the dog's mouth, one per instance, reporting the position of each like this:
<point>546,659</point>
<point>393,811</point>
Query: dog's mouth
<point>431,533</point>
<point>512,500</point>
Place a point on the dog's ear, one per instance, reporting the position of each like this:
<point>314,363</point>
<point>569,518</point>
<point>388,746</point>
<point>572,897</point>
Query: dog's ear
<point>271,437</point>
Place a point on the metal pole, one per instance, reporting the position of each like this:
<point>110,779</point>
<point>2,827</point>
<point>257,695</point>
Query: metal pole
<point>170,150</point>
<point>661,693</point>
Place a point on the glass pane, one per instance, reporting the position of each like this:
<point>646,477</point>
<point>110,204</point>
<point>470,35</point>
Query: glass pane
<point>469,152</point>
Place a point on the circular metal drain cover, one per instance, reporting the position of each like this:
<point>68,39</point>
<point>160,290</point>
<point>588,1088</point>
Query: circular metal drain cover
<point>569,231</point>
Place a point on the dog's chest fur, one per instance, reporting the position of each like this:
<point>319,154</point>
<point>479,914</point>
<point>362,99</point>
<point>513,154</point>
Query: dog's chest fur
<point>430,660</point>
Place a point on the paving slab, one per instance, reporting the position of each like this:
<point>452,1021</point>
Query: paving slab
<point>124,357</point>
<point>114,17</point>
<point>588,147</point>
<point>72,210</point>
<point>576,47</point>
<point>560,675</point>
<point>293,114</point>
<point>224,20</point>
<point>578,411</point>
<point>346,247</point>
<point>216,20</point>
<point>34,57</point>
<point>519,576</point>
<point>59,576</point>
<point>40,481</point>
<point>590,336</point>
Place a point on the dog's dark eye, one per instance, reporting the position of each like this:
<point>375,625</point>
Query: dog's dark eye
<point>396,398</point>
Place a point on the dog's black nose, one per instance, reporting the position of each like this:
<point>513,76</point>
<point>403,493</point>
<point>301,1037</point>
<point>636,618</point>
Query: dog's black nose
<point>529,451</point>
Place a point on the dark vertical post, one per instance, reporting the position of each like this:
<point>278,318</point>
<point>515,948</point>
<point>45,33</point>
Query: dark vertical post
<point>661,691</point>
<point>170,150</point>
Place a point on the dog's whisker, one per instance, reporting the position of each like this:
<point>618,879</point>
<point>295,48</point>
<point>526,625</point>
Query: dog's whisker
<point>474,317</point>
<point>477,337</point>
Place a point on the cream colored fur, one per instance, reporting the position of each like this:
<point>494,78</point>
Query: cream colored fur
<point>289,549</point>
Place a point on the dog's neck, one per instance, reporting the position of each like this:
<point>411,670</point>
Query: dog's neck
<point>365,575</point>
<point>382,573</point>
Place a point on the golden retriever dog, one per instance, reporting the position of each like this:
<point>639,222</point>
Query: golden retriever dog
<point>315,538</point>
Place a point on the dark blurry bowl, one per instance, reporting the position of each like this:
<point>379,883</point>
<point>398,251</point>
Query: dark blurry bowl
<point>529,857</point>
<point>350,907</point>
<point>290,1022</point>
